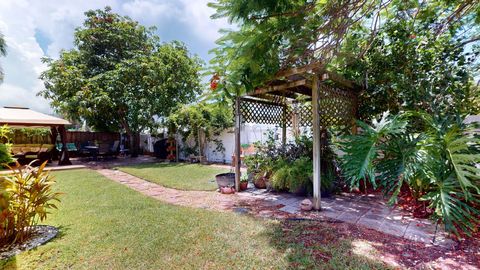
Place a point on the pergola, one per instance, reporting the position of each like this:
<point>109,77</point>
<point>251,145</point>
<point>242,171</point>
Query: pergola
<point>25,117</point>
<point>307,96</point>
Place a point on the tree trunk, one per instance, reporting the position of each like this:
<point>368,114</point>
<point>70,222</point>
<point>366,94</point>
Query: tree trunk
<point>135,144</point>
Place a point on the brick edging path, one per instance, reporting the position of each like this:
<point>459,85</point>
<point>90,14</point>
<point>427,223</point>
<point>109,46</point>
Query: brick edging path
<point>196,199</point>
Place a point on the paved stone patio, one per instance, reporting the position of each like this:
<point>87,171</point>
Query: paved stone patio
<point>370,210</point>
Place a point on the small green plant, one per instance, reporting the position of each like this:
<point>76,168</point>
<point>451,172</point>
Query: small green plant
<point>244,178</point>
<point>26,195</point>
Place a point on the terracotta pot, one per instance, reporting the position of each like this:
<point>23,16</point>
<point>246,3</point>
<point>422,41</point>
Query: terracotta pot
<point>243,186</point>
<point>260,182</point>
<point>227,190</point>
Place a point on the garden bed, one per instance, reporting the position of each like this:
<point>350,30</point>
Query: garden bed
<point>41,234</point>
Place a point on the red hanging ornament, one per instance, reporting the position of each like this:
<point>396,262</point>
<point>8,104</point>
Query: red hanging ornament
<point>214,81</point>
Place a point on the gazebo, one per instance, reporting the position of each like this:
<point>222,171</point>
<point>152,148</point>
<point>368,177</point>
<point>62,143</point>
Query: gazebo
<point>307,96</point>
<point>25,117</point>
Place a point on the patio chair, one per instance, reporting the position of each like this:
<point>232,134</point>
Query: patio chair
<point>83,150</point>
<point>71,147</point>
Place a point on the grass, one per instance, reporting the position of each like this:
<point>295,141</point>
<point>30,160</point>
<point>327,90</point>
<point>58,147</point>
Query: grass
<point>181,176</point>
<point>105,225</point>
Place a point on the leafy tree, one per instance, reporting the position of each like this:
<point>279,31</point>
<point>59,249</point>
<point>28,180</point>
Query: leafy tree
<point>278,34</point>
<point>200,122</point>
<point>415,62</point>
<point>3,52</point>
<point>119,75</point>
<point>407,54</point>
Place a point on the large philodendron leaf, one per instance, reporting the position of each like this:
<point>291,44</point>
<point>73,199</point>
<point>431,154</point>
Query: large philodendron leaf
<point>401,163</point>
<point>448,200</point>
<point>361,150</point>
<point>462,150</point>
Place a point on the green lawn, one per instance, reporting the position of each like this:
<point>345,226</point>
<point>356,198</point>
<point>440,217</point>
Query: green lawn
<point>105,225</point>
<point>177,175</point>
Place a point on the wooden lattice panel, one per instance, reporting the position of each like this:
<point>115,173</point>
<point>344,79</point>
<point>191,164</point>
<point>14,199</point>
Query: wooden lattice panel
<point>337,108</point>
<point>261,113</point>
<point>304,114</point>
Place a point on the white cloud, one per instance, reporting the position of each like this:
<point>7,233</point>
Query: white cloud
<point>197,15</point>
<point>150,10</point>
<point>184,20</point>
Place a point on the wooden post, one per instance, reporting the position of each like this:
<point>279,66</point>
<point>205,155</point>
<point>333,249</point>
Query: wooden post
<point>53,138</point>
<point>64,159</point>
<point>316,144</point>
<point>238,160</point>
<point>284,125</point>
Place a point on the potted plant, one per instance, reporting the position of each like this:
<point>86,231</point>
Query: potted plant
<point>256,170</point>
<point>244,182</point>
<point>244,147</point>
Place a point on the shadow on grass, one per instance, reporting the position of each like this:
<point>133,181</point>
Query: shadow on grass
<point>327,244</point>
<point>319,245</point>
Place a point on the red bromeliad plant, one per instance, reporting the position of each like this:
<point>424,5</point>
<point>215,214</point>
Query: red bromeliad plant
<point>26,195</point>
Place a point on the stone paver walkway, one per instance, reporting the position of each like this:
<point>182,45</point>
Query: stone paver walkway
<point>197,199</point>
<point>370,210</point>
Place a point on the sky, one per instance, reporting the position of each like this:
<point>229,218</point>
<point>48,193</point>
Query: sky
<point>36,28</point>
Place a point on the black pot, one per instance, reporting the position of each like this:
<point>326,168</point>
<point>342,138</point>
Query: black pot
<point>225,180</point>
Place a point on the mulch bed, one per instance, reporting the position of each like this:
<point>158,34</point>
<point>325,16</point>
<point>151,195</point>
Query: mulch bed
<point>41,235</point>
<point>393,251</point>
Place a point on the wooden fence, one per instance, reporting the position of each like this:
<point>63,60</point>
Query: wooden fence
<point>81,137</point>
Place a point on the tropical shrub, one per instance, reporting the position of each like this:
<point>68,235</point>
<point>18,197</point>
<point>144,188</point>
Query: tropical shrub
<point>5,145</point>
<point>26,195</point>
<point>200,123</point>
<point>435,159</point>
<point>289,167</point>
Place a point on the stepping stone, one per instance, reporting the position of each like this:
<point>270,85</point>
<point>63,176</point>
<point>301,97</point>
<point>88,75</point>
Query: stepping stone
<point>372,223</point>
<point>290,209</point>
<point>290,201</point>
<point>393,228</point>
<point>350,217</point>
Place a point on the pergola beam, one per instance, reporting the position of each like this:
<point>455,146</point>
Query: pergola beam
<point>281,87</point>
<point>300,70</point>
